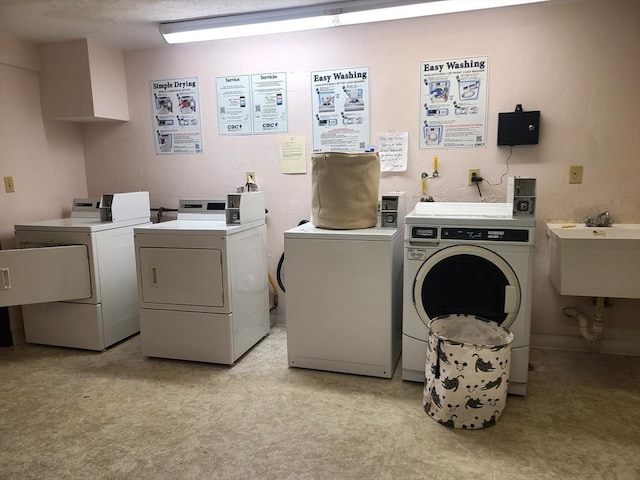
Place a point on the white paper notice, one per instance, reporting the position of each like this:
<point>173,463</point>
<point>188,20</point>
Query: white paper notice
<point>293,158</point>
<point>392,148</point>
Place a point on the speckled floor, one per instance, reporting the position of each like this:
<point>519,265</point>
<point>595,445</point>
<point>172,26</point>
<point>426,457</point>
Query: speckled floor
<point>118,415</point>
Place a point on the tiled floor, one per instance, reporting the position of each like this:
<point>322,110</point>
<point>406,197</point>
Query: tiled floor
<point>118,415</point>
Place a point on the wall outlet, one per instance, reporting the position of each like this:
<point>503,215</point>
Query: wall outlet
<point>473,172</point>
<point>9,186</point>
<point>575,174</point>
<point>250,177</point>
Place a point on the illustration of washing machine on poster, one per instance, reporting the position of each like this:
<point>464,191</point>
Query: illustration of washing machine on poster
<point>432,134</point>
<point>439,91</point>
<point>326,100</point>
<point>354,100</point>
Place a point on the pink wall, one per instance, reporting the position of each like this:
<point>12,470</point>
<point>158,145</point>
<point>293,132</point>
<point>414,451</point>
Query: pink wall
<point>45,158</point>
<point>577,62</point>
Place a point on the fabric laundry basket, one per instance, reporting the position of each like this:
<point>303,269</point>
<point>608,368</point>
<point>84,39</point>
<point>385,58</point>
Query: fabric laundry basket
<point>466,371</point>
<point>345,190</point>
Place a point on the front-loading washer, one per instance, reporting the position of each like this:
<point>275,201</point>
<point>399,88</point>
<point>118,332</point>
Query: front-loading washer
<point>467,258</point>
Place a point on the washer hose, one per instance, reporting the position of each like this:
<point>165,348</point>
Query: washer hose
<point>281,263</point>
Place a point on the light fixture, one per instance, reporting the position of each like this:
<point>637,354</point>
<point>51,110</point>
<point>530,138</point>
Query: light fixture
<point>316,17</point>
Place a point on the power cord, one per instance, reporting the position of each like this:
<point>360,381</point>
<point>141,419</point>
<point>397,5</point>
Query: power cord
<point>477,179</point>
<point>506,171</point>
<point>478,185</point>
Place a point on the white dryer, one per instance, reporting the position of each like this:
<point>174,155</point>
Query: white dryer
<point>467,258</point>
<point>202,284</point>
<point>76,277</point>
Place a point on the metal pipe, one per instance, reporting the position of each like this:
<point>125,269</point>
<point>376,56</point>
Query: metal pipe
<point>594,333</point>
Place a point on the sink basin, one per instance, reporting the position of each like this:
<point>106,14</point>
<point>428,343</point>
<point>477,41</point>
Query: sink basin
<point>595,261</point>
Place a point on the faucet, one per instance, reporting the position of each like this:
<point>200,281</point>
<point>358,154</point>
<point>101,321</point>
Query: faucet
<point>602,220</point>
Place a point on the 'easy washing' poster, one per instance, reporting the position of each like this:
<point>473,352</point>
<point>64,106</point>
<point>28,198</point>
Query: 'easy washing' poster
<point>453,103</point>
<point>340,108</point>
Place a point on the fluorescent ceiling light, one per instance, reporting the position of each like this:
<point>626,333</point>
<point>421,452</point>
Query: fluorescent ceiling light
<point>316,17</point>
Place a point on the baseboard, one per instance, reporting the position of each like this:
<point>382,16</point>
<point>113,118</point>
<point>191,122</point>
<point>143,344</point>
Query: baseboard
<point>278,320</point>
<point>579,344</point>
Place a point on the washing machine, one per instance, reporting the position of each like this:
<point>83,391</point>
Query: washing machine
<point>75,277</point>
<point>344,298</point>
<point>467,258</point>
<point>203,288</point>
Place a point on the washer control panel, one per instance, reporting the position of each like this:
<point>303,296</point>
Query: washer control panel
<point>487,234</point>
<point>470,234</point>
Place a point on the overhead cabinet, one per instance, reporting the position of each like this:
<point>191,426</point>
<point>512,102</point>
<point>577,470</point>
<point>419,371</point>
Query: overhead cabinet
<point>83,81</point>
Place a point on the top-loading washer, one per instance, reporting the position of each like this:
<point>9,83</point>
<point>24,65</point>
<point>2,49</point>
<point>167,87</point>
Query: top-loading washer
<point>75,277</point>
<point>202,283</point>
<point>467,258</point>
<point>344,298</point>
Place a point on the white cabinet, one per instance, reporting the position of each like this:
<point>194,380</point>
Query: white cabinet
<point>83,80</point>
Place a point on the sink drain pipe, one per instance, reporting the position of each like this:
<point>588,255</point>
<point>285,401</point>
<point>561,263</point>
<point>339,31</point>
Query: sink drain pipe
<point>595,332</point>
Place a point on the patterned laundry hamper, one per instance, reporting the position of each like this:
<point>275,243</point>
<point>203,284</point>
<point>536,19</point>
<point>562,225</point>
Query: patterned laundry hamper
<point>466,371</point>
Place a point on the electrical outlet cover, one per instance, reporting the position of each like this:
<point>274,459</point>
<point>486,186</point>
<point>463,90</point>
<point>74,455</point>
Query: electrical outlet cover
<point>473,171</point>
<point>575,174</point>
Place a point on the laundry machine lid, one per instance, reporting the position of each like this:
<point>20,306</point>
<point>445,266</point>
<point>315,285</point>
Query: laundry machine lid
<point>467,279</point>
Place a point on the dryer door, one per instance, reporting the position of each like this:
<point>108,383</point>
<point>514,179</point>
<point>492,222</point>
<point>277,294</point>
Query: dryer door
<point>182,276</point>
<point>38,275</point>
<point>467,279</point>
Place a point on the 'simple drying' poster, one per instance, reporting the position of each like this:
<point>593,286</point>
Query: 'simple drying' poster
<point>175,105</point>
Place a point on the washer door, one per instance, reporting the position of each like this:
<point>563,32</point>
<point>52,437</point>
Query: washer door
<point>467,279</point>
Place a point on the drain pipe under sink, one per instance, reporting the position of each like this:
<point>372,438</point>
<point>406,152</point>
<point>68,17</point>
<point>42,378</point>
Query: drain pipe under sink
<point>583,322</point>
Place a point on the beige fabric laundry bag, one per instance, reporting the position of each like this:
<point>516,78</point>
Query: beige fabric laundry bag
<point>345,190</point>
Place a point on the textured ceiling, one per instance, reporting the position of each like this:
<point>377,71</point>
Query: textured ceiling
<point>126,24</point>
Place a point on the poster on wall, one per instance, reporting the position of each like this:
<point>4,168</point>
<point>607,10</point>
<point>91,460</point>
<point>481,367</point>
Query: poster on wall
<point>269,99</point>
<point>234,105</point>
<point>175,104</point>
<point>453,103</point>
<point>340,108</point>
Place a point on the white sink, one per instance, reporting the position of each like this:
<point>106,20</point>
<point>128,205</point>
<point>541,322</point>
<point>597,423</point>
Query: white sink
<point>595,261</point>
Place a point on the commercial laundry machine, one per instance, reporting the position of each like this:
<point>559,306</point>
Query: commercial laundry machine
<point>75,277</point>
<point>344,298</point>
<point>202,280</point>
<point>467,258</point>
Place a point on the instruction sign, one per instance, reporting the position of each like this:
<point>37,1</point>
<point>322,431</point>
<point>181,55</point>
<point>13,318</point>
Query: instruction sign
<point>234,105</point>
<point>340,108</point>
<point>453,103</point>
<point>175,104</point>
<point>269,99</point>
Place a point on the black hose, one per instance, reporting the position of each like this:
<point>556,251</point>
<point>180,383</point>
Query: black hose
<point>281,263</point>
<point>278,272</point>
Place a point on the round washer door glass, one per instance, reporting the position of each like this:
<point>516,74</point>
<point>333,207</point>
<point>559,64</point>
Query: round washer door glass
<point>467,279</point>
